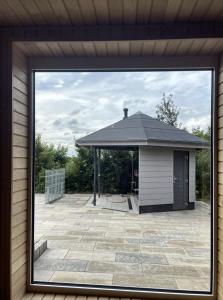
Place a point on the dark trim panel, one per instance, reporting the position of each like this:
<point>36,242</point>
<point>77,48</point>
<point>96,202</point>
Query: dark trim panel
<point>162,208</point>
<point>155,208</point>
<point>125,32</point>
<point>214,184</point>
<point>5,166</point>
<point>137,63</point>
<point>214,171</point>
<point>191,205</point>
<point>31,174</point>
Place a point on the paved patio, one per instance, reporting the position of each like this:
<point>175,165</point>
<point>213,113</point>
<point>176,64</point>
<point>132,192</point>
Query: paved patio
<point>90,245</point>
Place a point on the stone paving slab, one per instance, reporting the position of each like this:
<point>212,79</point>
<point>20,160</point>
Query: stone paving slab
<point>83,255</point>
<point>60,264</point>
<point>170,270</point>
<point>42,275</point>
<point>198,284</point>
<point>140,258</point>
<point>145,281</point>
<point>98,246</point>
<point>199,252</point>
<point>54,253</point>
<point>164,250</point>
<point>121,234</point>
<point>116,247</point>
<point>89,255</point>
<point>83,246</point>
<point>106,267</point>
<point>62,237</point>
<point>188,244</point>
<point>82,278</point>
<point>151,241</point>
<point>204,271</point>
<point>60,244</point>
<point>187,261</point>
<point>102,239</point>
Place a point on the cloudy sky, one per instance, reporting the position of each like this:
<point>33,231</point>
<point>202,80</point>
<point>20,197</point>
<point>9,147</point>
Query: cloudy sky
<point>70,105</point>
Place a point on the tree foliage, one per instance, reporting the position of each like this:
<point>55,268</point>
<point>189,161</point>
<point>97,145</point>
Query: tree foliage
<point>167,111</point>
<point>47,157</point>
<point>203,166</point>
<point>116,168</point>
<point>79,171</point>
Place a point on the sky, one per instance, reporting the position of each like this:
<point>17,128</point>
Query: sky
<point>70,105</point>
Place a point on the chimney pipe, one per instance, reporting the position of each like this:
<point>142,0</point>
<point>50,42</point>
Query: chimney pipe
<point>125,113</point>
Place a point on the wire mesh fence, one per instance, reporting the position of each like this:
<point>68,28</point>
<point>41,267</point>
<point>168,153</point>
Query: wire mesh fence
<point>54,184</point>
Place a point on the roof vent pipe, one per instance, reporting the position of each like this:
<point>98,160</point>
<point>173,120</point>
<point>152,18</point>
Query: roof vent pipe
<point>125,113</point>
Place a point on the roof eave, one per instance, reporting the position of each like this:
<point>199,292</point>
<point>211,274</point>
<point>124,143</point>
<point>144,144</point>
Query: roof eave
<point>176,144</point>
<point>172,144</point>
<point>111,143</point>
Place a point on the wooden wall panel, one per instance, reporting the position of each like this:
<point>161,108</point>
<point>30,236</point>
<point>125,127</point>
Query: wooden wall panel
<point>19,165</point>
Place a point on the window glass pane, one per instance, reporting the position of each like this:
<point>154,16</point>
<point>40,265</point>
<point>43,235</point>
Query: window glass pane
<point>123,179</point>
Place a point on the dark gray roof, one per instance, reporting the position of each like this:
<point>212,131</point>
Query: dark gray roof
<point>141,129</point>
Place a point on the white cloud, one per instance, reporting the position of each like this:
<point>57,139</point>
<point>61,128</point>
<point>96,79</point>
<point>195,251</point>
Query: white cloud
<point>84,73</point>
<point>70,105</point>
<point>201,122</point>
<point>59,84</point>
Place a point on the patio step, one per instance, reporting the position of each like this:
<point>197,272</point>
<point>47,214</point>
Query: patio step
<point>40,247</point>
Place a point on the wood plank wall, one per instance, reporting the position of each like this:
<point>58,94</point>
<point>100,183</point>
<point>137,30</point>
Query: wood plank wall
<point>19,180</point>
<point>220,182</point>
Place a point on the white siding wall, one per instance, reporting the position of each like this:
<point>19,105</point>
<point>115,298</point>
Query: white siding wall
<point>192,177</point>
<point>155,176</point>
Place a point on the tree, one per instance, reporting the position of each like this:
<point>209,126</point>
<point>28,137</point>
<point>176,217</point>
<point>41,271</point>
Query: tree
<point>167,111</point>
<point>206,135</point>
<point>115,171</point>
<point>84,162</point>
<point>71,175</point>
<point>203,165</point>
<point>116,168</point>
<point>79,172</point>
<point>47,157</point>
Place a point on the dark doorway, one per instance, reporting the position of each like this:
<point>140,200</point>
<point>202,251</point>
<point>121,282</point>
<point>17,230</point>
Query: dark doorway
<point>181,179</point>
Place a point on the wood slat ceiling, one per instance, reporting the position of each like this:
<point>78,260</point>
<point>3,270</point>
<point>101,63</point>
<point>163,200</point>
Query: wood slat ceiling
<point>89,12</point>
<point>123,48</point>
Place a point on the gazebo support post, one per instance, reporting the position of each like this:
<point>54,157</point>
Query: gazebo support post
<point>99,173</point>
<point>95,175</point>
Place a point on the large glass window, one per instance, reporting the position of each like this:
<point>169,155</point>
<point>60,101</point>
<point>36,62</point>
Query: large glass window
<point>123,179</point>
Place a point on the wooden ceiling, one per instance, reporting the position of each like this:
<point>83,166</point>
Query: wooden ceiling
<point>123,48</point>
<point>89,12</point>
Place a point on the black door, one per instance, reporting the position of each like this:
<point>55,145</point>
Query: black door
<point>181,179</point>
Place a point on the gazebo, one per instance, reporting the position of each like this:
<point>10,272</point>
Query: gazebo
<point>166,160</point>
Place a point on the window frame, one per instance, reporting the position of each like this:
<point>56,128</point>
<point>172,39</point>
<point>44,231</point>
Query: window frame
<point>172,63</point>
